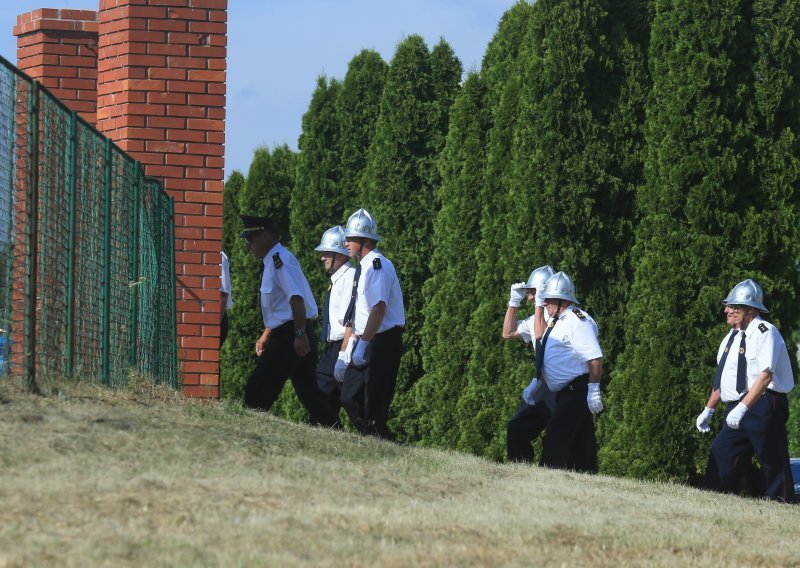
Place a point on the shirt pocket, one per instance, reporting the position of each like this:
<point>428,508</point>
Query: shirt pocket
<point>752,363</point>
<point>265,294</point>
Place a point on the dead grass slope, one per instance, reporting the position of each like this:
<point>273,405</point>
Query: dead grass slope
<point>91,477</point>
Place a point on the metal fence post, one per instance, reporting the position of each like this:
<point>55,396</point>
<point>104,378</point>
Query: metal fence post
<point>73,200</point>
<point>33,237</point>
<point>135,293</point>
<point>104,373</point>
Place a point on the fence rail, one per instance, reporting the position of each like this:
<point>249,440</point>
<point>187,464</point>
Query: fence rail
<point>87,280</point>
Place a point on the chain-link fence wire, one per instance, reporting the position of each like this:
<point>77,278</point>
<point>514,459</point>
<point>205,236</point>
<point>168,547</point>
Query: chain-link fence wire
<point>8,141</point>
<point>156,313</point>
<point>81,232</point>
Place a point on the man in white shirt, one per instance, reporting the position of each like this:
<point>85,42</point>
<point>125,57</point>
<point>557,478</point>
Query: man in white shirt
<point>570,359</point>
<point>335,328</point>
<point>533,412</point>
<point>755,422</point>
<point>731,368</point>
<point>287,348</point>
<point>370,376</point>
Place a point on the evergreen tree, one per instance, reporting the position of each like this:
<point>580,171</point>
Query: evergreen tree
<point>446,347</point>
<point>399,188</point>
<point>266,191</point>
<point>230,242</point>
<point>719,205</point>
<point>576,163</point>
<point>446,71</point>
<point>357,108</point>
<point>483,407</point>
<point>772,224</point>
<point>230,210</point>
<point>316,202</point>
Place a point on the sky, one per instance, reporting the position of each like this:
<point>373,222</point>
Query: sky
<point>278,48</point>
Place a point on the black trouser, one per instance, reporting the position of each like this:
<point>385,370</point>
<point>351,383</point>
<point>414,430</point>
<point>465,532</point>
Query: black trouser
<point>326,382</point>
<point>367,392</point>
<point>570,440</point>
<point>527,423</point>
<point>762,432</point>
<point>279,362</point>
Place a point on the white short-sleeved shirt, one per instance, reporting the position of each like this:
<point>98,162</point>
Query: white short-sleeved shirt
<point>282,279</point>
<point>341,291</point>
<point>225,279</point>
<point>570,346</point>
<point>727,381</point>
<point>767,350</point>
<point>525,327</point>
<point>378,283</point>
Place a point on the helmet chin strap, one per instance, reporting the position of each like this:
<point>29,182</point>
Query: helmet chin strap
<point>332,269</point>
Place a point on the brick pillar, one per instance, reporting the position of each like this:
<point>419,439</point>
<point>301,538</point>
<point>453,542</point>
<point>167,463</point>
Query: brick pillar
<point>59,48</point>
<point>161,97</point>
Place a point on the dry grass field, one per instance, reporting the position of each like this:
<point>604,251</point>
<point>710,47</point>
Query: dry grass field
<point>143,477</point>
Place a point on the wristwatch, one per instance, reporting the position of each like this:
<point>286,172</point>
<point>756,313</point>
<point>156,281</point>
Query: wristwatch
<point>300,333</point>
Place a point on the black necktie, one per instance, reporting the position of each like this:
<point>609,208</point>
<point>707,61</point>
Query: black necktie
<point>326,322</point>
<point>350,314</point>
<point>540,348</point>
<point>721,365</point>
<point>741,370</point>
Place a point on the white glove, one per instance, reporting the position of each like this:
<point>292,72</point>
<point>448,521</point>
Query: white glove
<point>593,398</point>
<point>735,415</point>
<point>704,419</point>
<point>342,362</point>
<point>529,391</point>
<point>539,301</point>
<point>517,294</point>
<point>360,353</point>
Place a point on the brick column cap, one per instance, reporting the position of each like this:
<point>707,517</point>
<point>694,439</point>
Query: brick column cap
<point>51,19</point>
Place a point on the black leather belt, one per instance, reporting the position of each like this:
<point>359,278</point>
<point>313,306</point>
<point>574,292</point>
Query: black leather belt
<point>776,393</point>
<point>577,381</point>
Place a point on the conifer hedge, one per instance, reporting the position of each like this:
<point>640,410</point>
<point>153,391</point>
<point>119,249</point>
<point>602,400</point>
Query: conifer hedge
<point>650,149</point>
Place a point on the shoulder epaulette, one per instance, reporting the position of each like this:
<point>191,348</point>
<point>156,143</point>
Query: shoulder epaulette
<point>762,328</point>
<point>579,313</point>
<point>276,258</point>
<point>376,263</point>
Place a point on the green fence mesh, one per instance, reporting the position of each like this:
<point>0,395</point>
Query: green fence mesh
<point>86,248</point>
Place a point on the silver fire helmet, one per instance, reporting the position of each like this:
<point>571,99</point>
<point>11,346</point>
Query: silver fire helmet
<point>538,277</point>
<point>333,241</point>
<point>747,293</point>
<point>560,287</point>
<point>362,224</point>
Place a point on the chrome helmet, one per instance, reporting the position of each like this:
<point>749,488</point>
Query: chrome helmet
<point>747,293</point>
<point>560,287</point>
<point>539,277</point>
<point>333,241</point>
<point>362,224</point>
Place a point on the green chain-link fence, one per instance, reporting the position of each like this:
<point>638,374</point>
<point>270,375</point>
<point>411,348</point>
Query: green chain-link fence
<point>86,248</point>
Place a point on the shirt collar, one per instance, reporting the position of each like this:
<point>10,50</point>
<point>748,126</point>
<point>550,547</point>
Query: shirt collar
<point>275,248</point>
<point>367,258</point>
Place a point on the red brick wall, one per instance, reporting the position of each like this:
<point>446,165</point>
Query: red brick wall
<point>161,97</point>
<point>59,48</point>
